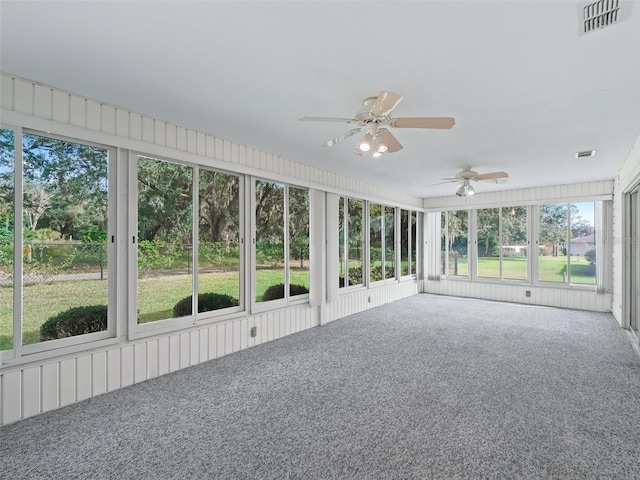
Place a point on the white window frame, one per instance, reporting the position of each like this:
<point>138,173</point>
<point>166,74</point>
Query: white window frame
<point>40,350</point>
<point>287,300</point>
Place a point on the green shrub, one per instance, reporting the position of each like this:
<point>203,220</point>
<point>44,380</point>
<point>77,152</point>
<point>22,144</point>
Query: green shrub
<point>590,256</point>
<point>75,321</point>
<point>277,291</point>
<point>206,303</point>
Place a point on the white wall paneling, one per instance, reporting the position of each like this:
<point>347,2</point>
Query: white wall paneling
<point>31,389</point>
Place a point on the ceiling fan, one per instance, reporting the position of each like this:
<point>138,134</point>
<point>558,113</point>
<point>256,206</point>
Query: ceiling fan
<point>374,118</point>
<point>466,176</point>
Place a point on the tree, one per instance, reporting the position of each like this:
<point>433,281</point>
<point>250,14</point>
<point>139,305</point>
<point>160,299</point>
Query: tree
<point>488,230</point>
<point>36,203</point>
<point>164,201</point>
<point>219,198</point>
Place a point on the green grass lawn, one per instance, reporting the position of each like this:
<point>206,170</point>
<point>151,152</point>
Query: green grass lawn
<point>156,297</point>
<point>551,269</point>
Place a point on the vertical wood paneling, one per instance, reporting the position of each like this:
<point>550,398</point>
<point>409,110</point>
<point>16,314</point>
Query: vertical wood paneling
<point>139,362</point>
<point>68,381</point>
<point>50,386</point>
<point>171,135</point>
<point>242,155</point>
<point>99,373</point>
<point>194,347</point>
<point>11,396</point>
<point>42,101</point>
<point>113,370</point>
<point>163,356</point>
<point>181,139</point>
<point>148,130</point>
<point>60,107</point>
<point>219,148</point>
<point>174,353</point>
<point>77,111</point>
<point>213,342</point>
<point>83,377</point>
<point>185,354</point>
<point>127,365</point>
<point>201,144</point>
<point>220,340</point>
<point>23,96</point>
<point>211,146</point>
<point>236,335</point>
<point>6,92</point>
<point>94,115</point>
<point>203,348</point>
<point>228,338</point>
<point>31,392</point>
<point>108,119</point>
<point>192,142</point>
<point>159,133</point>
<point>122,123</point>
<point>152,359</point>
<point>135,126</point>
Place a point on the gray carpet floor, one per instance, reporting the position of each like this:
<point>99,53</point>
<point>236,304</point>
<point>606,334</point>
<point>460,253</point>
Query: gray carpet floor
<point>427,387</point>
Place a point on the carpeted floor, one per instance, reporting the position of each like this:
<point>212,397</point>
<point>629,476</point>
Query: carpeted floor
<point>427,387</point>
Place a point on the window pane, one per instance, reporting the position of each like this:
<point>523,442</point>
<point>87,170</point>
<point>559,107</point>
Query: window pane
<point>414,242</point>
<point>404,242</point>
<point>552,262</point>
<point>218,241</point>
<point>298,241</point>
<point>165,219</point>
<point>7,162</point>
<point>514,243</point>
<point>375,241</point>
<point>582,244</point>
<point>457,226</point>
<point>489,242</point>
<point>269,240</point>
<point>389,243</point>
<point>341,243</point>
<point>356,242</point>
<point>64,239</point>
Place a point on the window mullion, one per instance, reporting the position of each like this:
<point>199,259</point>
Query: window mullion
<point>286,244</point>
<point>18,246</point>
<point>195,215</point>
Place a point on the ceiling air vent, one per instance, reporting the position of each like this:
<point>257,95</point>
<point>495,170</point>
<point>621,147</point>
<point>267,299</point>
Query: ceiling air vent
<point>586,153</point>
<point>598,15</point>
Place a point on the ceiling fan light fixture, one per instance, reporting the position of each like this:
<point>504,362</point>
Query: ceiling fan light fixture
<point>383,148</point>
<point>377,154</point>
<point>461,191</point>
<point>365,144</point>
<point>470,190</point>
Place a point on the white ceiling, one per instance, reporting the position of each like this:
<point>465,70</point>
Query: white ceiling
<point>526,90</point>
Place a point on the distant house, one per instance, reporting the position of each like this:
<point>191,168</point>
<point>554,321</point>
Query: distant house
<point>581,245</point>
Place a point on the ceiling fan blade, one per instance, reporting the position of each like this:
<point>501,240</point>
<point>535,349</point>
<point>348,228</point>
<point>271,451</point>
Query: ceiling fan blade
<point>328,119</point>
<point>423,122</point>
<point>385,102</point>
<point>452,180</point>
<point>495,176</point>
<point>339,138</point>
<point>385,136</point>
